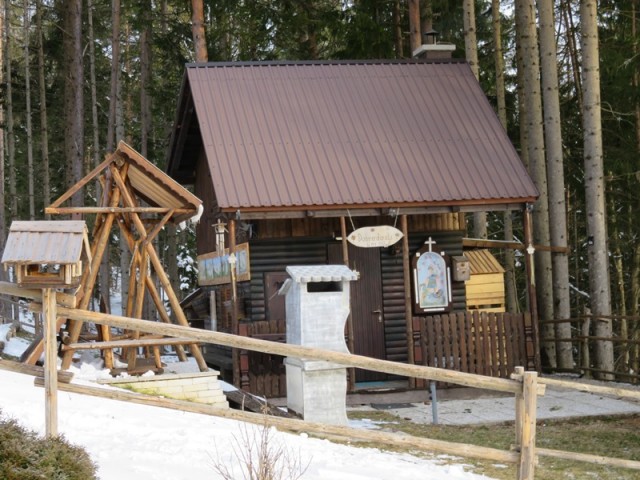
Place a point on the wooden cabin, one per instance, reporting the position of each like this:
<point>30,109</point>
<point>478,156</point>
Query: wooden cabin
<point>291,159</point>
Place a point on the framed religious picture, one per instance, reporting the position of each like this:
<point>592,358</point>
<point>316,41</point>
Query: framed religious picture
<point>431,281</point>
<point>214,268</point>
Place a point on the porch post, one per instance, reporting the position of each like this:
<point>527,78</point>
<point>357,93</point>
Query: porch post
<point>531,279</point>
<point>406,268</point>
<point>235,353</point>
<point>351,386</point>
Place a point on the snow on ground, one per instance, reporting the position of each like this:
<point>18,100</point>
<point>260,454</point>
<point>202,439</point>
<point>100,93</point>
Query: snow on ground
<point>130,441</point>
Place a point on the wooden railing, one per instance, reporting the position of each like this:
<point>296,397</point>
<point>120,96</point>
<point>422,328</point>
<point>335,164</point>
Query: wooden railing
<point>625,340</point>
<point>524,385</point>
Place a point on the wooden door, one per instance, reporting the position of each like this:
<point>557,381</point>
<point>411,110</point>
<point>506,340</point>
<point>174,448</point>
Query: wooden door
<point>366,305</point>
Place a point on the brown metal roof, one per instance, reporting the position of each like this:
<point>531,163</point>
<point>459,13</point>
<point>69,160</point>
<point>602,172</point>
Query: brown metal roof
<point>59,242</point>
<point>328,135</point>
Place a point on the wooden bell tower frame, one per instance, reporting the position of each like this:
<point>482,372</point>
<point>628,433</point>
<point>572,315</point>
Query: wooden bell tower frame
<point>140,199</point>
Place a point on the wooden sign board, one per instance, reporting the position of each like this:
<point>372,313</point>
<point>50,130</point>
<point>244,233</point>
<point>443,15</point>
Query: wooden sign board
<point>214,269</point>
<point>372,237</point>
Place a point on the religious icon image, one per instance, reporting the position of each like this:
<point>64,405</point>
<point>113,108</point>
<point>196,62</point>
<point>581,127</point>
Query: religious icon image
<point>432,281</point>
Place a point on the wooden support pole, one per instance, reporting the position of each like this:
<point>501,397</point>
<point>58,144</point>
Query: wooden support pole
<point>408,305</point>
<point>350,338</point>
<point>235,353</point>
<point>519,372</point>
<point>157,266</point>
<point>528,459</point>
<point>50,362</point>
<point>90,276</point>
<point>153,292</point>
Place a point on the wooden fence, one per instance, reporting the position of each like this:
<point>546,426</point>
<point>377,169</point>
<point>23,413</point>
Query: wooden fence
<point>523,384</point>
<point>484,343</point>
<point>625,340</point>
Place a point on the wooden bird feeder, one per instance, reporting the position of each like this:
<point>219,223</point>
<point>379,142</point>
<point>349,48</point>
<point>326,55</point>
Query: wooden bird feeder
<point>47,254</point>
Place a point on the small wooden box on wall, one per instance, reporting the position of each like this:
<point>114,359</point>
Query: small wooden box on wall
<point>47,254</point>
<point>461,268</point>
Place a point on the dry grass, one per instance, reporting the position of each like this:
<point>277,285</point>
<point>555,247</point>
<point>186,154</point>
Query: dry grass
<point>617,437</point>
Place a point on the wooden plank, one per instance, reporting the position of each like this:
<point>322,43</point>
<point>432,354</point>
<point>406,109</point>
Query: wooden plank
<point>471,343</point>
<point>509,342</point>
<point>299,351</point>
<point>294,425</point>
<point>462,339</point>
<point>494,340</point>
<point>501,346</point>
<point>479,347</point>
<point>446,340</point>
<point>144,342</point>
<point>592,388</point>
<point>486,343</point>
<point>431,345</point>
<point>455,345</point>
<point>33,370</point>
<point>8,288</point>
<point>438,340</point>
<point>585,457</point>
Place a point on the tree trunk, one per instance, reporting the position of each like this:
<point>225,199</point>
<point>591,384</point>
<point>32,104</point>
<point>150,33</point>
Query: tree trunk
<point>471,54</point>
<point>26,24</point>
<point>44,129</point>
<point>599,283</point>
<point>569,27</point>
<point>525,23</point>
<point>397,29</point>
<point>73,97</point>
<point>3,220</point>
<point>197,28</point>
<point>555,179</point>
<point>115,74</point>
<point>415,36</point>
<point>11,141</point>
<point>511,299</point>
<point>145,79</point>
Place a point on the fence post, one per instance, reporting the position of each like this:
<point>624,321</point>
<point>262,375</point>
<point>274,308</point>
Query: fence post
<point>526,424</point>
<point>50,362</point>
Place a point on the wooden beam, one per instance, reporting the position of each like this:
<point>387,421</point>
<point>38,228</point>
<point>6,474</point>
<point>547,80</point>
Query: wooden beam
<point>86,210</point>
<point>33,370</point>
<point>481,243</point>
<point>295,425</point>
<point>8,288</point>
<point>143,342</point>
<point>299,351</point>
<point>90,176</point>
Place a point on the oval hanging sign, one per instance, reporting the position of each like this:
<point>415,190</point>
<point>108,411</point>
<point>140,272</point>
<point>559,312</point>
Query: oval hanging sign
<point>371,237</point>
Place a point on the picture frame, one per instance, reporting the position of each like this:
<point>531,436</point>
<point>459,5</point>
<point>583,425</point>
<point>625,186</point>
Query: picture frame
<point>431,283</point>
<point>214,269</point>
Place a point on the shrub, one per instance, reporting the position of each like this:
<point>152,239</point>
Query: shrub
<point>26,456</point>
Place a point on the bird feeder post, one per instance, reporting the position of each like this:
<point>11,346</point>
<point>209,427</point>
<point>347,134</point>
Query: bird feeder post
<point>50,362</point>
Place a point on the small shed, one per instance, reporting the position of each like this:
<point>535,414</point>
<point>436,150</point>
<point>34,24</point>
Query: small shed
<point>47,253</point>
<point>485,288</point>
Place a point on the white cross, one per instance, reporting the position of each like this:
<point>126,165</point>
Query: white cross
<point>430,242</point>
